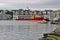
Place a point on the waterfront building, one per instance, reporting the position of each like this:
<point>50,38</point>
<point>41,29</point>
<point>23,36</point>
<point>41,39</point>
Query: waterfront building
<point>57,12</point>
<point>15,14</point>
<point>50,14</point>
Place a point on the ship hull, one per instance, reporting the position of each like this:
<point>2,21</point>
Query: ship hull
<point>29,18</point>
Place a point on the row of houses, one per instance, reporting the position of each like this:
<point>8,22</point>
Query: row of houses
<point>44,13</point>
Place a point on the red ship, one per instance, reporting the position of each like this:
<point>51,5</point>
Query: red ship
<point>29,17</point>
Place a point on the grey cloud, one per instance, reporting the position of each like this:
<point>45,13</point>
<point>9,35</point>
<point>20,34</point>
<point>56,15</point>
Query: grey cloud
<point>51,4</point>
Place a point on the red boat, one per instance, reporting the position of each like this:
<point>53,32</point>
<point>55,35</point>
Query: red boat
<point>29,17</point>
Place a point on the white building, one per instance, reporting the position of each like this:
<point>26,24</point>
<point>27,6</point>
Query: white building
<point>15,14</point>
<point>57,12</point>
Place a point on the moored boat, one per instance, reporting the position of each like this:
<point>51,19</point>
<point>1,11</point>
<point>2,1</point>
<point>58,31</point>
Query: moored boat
<point>29,17</point>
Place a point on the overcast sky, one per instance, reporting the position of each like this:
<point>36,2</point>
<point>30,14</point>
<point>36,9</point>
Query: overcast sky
<point>32,4</point>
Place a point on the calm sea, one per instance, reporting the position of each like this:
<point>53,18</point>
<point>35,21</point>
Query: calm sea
<point>24,30</point>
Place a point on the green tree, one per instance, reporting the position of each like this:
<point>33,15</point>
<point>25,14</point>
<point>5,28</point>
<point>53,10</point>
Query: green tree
<point>11,13</point>
<point>1,10</point>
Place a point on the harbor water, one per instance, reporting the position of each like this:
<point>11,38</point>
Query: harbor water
<point>23,30</point>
